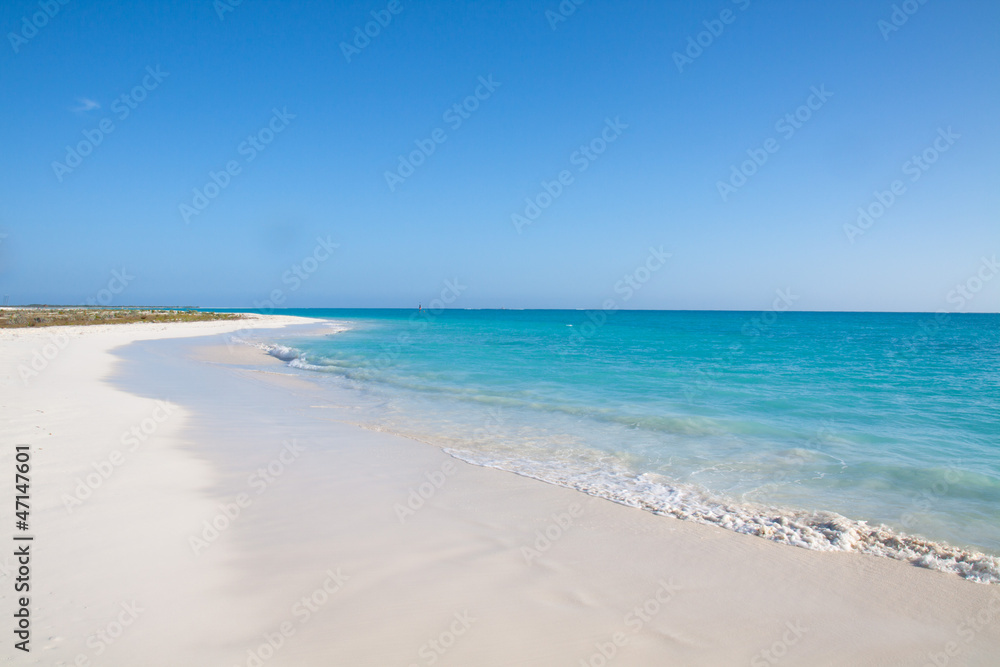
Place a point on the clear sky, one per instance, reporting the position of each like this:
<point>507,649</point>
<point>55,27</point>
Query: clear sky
<point>310,115</point>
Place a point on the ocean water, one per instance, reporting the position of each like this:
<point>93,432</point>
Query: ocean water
<point>877,433</point>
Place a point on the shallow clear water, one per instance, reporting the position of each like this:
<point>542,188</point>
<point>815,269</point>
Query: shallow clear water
<point>892,419</point>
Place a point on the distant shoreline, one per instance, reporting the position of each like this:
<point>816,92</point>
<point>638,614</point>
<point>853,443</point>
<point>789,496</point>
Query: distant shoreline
<point>16,317</point>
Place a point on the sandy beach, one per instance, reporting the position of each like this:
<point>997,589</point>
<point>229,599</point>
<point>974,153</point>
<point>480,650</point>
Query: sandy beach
<point>196,504</point>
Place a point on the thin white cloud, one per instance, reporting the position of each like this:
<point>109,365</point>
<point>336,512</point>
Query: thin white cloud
<point>86,104</point>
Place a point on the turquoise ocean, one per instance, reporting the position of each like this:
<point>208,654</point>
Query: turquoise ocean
<point>869,432</point>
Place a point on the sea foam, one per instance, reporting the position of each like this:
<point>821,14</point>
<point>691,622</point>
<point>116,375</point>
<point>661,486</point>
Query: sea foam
<point>820,531</point>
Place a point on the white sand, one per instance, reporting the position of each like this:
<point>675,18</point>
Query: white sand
<point>449,586</point>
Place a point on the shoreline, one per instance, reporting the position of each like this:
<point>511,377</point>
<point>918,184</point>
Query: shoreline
<point>811,527</point>
<point>514,568</point>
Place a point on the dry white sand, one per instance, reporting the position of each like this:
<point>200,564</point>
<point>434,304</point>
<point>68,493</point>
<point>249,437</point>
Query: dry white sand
<point>319,568</point>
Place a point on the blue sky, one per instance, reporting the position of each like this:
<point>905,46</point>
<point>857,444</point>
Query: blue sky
<point>226,73</point>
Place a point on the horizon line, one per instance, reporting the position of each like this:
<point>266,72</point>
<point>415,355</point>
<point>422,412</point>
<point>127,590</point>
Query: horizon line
<point>265,311</point>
